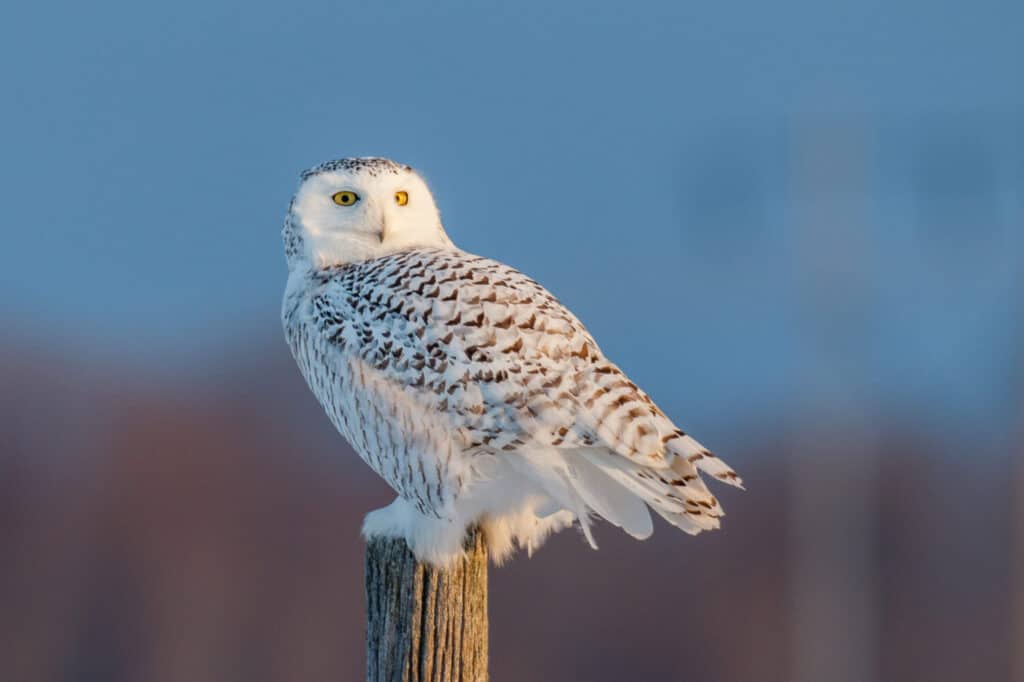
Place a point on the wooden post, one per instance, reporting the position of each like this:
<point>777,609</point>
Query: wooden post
<point>423,623</point>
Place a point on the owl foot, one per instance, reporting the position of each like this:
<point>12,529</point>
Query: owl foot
<point>432,540</point>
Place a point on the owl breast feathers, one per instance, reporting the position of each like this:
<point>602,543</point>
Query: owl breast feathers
<point>481,399</point>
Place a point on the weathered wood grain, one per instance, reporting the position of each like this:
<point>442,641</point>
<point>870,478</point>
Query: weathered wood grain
<point>425,624</point>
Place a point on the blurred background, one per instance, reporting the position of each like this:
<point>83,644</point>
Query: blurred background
<point>798,225</point>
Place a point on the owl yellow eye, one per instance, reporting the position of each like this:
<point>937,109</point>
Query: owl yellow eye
<point>401,198</point>
<point>345,198</point>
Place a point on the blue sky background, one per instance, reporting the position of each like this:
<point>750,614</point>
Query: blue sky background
<point>753,206</point>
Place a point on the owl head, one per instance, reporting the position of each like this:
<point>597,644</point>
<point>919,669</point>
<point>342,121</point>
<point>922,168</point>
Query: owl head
<point>356,209</point>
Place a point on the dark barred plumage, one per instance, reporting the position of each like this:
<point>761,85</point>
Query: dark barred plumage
<point>425,358</point>
<point>370,165</point>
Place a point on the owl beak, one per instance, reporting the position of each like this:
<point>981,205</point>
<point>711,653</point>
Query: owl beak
<point>383,228</point>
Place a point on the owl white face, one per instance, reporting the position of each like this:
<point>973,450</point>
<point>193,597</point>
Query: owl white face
<point>356,209</point>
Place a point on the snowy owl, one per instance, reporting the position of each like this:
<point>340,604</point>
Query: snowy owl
<point>465,384</point>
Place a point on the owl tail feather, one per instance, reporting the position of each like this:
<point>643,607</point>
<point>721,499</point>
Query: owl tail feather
<point>690,454</point>
<point>608,499</point>
<point>677,495</point>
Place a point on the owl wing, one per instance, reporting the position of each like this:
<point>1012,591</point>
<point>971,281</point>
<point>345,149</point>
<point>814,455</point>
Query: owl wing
<point>456,355</point>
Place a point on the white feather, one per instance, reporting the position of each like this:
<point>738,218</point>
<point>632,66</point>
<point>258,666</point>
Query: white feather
<point>609,498</point>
